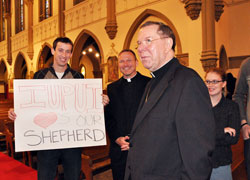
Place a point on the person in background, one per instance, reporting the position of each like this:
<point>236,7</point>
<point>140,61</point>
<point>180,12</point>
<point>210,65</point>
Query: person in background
<point>125,95</point>
<point>227,119</point>
<point>47,160</point>
<point>173,135</point>
<point>230,85</point>
<point>242,97</point>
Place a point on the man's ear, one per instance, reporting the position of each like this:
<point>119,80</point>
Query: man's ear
<point>224,84</point>
<point>136,61</point>
<point>170,42</point>
<point>52,51</point>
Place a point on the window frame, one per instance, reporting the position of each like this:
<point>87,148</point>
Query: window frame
<point>2,21</point>
<point>44,13</point>
<point>19,17</point>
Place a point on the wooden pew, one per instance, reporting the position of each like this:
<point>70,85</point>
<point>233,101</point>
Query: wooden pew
<point>94,158</point>
<point>4,107</point>
<point>238,153</point>
<point>10,143</point>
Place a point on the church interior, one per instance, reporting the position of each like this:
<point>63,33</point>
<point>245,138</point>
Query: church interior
<point>209,33</point>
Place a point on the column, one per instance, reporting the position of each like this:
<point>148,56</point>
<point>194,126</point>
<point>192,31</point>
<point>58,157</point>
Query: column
<point>30,50</point>
<point>111,25</point>
<point>61,8</point>
<point>208,54</point>
<point>8,35</point>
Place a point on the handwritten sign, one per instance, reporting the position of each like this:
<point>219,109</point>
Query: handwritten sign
<point>61,113</point>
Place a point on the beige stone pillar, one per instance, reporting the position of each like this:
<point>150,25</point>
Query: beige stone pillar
<point>208,54</point>
<point>61,5</point>
<point>8,35</point>
<point>111,25</point>
<point>30,50</point>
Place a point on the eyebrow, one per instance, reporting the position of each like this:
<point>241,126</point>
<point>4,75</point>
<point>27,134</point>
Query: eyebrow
<point>146,38</point>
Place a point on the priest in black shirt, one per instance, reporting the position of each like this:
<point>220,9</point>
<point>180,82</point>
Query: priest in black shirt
<point>125,95</point>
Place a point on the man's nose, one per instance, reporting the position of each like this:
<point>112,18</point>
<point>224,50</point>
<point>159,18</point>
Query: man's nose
<point>141,47</point>
<point>63,54</point>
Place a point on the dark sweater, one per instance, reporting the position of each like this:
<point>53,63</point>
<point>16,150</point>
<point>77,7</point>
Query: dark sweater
<point>226,114</point>
<point>49,73</point>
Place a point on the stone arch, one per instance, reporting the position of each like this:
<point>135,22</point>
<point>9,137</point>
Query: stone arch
<point>83,42</point>
<point>223,61</point>
<point>3,71</point>
<point>3,80</point>
<point>145,14</point>
<point>20,68</point>
<point>45,58</point>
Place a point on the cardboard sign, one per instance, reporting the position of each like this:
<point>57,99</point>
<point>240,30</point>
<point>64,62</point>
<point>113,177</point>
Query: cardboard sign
<point>58,113</point>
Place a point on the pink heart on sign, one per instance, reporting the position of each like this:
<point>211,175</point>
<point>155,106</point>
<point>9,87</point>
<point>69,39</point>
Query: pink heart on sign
<point>44,120</point>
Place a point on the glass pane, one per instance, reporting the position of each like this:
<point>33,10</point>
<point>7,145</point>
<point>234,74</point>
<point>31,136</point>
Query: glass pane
<point>21,16</point>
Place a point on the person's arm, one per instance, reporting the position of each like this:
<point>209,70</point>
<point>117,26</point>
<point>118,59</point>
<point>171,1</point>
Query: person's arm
<point>196,130</point>
<point>233,118</point>
<point>240,96</point>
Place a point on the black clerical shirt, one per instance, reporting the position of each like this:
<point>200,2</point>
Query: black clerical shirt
<point>158,74</point>
<point>131,100</point>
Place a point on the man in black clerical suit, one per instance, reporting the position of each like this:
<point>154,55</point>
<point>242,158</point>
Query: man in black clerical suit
<point>173,134</point>
<point>125,95</point>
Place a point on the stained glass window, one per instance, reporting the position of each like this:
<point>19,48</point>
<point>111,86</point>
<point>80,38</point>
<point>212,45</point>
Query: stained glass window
<point>45,9</point>
<point>2,25</point>
<point>19,7</point>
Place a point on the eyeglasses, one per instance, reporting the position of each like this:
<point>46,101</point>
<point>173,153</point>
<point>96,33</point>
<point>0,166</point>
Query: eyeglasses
<point>213,81</point>
<point>148,41</point>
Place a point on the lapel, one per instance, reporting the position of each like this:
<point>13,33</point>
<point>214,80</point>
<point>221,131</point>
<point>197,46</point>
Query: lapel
<point>158,91</point>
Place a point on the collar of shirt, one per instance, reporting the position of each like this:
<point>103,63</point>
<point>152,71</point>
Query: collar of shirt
<point>160,72</point>
<point>130,79</point>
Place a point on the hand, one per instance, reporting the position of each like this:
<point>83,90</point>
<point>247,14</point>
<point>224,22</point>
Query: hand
<point>105,99</point>
<point>245,131</point>
<point>121,141</point>
<point>12,114</point>
<point>229,130</point>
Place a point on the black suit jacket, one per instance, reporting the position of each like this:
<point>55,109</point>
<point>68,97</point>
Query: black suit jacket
<point>173,135</point>
<point>116,123</point>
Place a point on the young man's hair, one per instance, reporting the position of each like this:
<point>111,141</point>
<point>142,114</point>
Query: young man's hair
<point>163,30</point>
<point>63,40</point>
<point>128,50</point>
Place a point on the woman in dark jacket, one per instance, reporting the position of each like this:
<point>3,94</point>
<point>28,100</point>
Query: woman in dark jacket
<point>227,119</point>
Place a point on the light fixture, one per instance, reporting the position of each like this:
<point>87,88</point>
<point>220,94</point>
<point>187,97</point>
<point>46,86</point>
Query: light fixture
<point>97,55</point>
<point>84,52</point>
<point>90,49</point>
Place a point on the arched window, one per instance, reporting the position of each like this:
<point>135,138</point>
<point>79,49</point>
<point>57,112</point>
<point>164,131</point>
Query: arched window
<point>19,11</point>
<point>77,1</point>
<point>83,71</point>
<point>2,26</point>
<point>45,9</point>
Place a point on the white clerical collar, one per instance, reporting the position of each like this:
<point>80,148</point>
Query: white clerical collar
<point>152,74</point>
<point>130,79</point>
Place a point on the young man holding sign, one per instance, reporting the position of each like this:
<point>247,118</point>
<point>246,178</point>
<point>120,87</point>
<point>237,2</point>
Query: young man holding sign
<point>47,160</point>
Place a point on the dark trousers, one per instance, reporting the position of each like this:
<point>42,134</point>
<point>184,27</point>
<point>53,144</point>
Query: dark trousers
<point>118,165</point>
<point>47,162</point>
<point>247,156</point>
